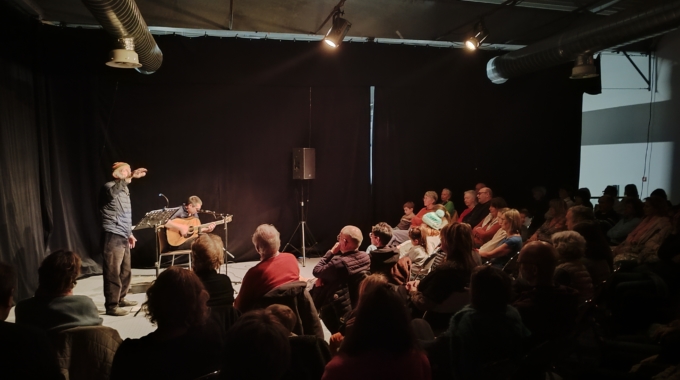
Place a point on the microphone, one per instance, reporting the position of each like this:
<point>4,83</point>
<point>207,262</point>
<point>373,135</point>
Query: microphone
<point>167,202</point>
<point>207,212</point>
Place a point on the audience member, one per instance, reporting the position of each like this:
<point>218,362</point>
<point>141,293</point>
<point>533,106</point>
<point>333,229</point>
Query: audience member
<point>512,242</point>
<point>631,217</point>
<point>555,221</point>
<point>256,347</point>
<point>598,255</point>
<point>643,242</point>
<point>479,186</point>
<point>338,264</point>
<point>418,251</point>
<point>605,213</point>
<point>570,271</point>
<point>25,352</point>
<point>481,210</point>
<point>565,195</point>
<point>429,201</point>
<point>184,346</point>
<point>54,306</point>
<point>498,237</point>
<point>488,227</point>
<point>613,193</point>
<point>526,221</point>
<point>488,330</point>
<point>631,191</point>
<point>275,268</point>
<point>381,343</point>
<point>582,197</point>
<point>285,315</point>
<point>538,208</point>
<point>433,222</point>
<point>470,201</point>
<point>405,221</point>
<point>207,256</point>
<point>547,310</point>
<point>383,258</point>
<point>453,275</point>
<point>447,203</point>
<point>579,214</point>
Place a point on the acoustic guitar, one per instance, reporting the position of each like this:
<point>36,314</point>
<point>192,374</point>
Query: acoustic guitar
<point>176,239</point>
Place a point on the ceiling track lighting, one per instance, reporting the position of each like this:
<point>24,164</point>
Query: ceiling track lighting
<point>473,43</point>
<point>338,30</point>
<point>124,57</point>
<point>584,67</point>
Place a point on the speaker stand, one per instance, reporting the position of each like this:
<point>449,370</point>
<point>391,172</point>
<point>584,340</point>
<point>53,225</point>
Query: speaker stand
<point>304,229</point>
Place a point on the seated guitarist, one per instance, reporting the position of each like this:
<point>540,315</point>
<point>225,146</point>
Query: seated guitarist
<point>189,209</point>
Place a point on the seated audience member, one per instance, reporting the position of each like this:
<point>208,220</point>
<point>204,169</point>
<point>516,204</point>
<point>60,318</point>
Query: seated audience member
<point>526,221</point>
<point>570,271</point>
<point>488,227</point>
<point>338,264</point>
<point>383,258</point>
<point>565,195</point>
<point>555,221</point>
<point>643,242</point>
<point>430,202</point>
<point>381,343</point>
<point>613,193</point>
<point>605,213</point>
<point>418,251</point>
<point>207,255</point>
<point>447,203</point>
<point>433,222</point>
<point>275,268</point>
<point>631,191</point>
<point>631,217</point>
<point>184,346</point>
<point>488,330</point>
<point>579,214</point>
<point>598,255</point>
<point>509,246</point>
<point>285,315</point>
<point>405,221</point>
<point>499,236</point>
<point>452,275</point>
<point>256,347</point>
<point>25,352</point>
<point>481,210</point>
<point>547,310</point>
<point>582,198</point>
<point>54,306</point>
<point>538,208</point>
<point>470,201</point>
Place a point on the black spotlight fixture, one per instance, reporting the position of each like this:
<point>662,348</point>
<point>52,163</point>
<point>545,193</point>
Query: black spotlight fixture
<point>338,30</point>
<point>481,34</point>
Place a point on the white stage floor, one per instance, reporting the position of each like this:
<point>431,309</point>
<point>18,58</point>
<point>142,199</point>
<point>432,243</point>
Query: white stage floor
<point>130,326</point>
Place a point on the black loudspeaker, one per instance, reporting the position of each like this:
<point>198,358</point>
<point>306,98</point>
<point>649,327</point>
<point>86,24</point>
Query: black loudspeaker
<point>303,163</point>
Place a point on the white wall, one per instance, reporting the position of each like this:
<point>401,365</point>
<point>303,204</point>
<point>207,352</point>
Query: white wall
<point>615,138</point>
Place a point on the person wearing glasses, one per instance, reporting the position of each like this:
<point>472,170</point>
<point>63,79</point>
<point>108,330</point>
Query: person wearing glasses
<point>338,264</point>
<point>481,210</point>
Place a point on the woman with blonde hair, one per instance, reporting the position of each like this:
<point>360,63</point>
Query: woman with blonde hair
<point>511,224</point>
<point>571,272</point>
<point>207,255</point>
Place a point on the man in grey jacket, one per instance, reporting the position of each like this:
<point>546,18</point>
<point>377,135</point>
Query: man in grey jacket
<point>117,238</point>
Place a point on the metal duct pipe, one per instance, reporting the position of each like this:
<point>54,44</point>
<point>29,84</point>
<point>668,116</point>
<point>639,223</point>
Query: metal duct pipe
<point>122,19</point>
<point>617,30</point>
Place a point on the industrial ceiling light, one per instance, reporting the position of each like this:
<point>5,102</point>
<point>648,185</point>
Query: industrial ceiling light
<point>584,67</point>
<point>481,34</point>
<point>338,30</point>
<point>124,57</point>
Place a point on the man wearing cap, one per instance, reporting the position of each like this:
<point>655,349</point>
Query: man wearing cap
<point>117,238</point>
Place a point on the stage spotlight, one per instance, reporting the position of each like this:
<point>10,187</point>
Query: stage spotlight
<point>481,34</point>
<point>584,67</point>
<point>124,57</point>
<point>338,31</point>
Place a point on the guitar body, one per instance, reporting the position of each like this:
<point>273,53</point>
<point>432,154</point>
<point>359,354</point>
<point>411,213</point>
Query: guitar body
<point>174,237</point>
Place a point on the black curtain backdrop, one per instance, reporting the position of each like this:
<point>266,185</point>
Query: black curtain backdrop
<point>221,117</point>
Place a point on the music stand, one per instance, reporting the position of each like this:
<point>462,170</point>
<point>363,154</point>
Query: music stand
<point>156,219</point>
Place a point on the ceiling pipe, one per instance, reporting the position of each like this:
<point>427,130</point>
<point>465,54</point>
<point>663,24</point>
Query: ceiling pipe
<point>122,19</point>
<point>620,29</point>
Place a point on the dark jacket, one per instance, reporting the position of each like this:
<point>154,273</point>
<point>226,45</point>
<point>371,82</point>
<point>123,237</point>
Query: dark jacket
<point>116,209</point>
<point>296,296</point>
<point>383,260</point>
<point>477,214</point>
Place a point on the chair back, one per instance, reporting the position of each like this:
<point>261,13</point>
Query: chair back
<point>162,237</point>
<point>296,296</point>
<point>86,352</point>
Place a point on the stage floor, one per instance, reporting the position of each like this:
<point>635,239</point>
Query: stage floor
<point>130,326</point>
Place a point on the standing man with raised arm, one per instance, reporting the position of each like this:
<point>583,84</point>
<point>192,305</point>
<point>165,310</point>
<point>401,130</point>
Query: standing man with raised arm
<point>117,238</point>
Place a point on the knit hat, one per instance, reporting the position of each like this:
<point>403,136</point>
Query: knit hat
<point>117,167</point>
<point>434,219</point>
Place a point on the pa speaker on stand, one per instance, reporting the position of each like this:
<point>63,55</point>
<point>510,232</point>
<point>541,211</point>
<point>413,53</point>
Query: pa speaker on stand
<point>303,169</point>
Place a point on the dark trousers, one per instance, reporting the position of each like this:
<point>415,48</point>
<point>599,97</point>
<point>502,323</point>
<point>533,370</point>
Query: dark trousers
<point>116,266</point>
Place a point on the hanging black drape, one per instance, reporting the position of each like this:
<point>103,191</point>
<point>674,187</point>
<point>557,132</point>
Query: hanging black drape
<point>221,117</point>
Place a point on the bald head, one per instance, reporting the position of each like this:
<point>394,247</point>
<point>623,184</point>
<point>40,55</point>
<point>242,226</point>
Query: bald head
<point>537,262</point>
<point>484,195</point>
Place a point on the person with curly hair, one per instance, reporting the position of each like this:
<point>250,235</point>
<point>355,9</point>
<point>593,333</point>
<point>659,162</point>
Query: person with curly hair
<point>185,345</point>
<point>207,256</point>
<point>54,307</point>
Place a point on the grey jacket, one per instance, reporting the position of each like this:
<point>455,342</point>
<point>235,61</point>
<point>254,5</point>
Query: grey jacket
<point>116,209</point>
